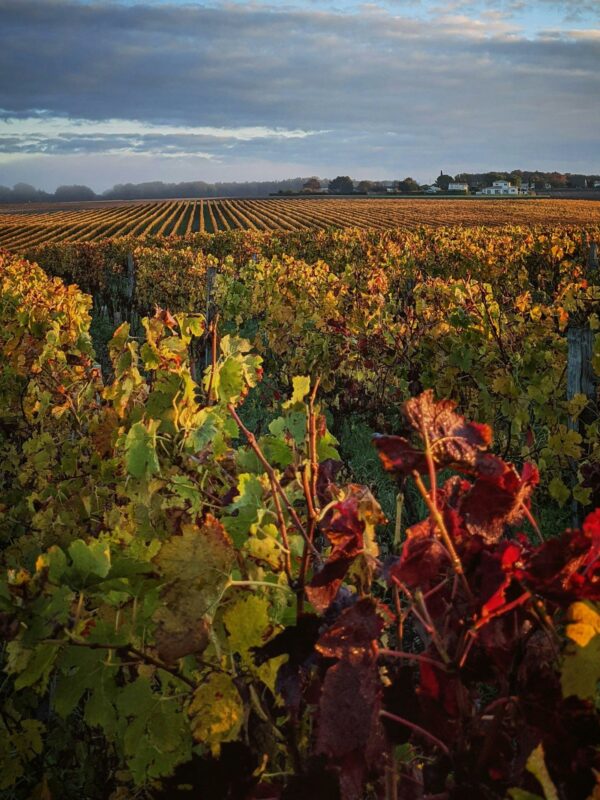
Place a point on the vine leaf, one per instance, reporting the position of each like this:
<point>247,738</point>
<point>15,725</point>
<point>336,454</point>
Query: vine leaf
<point>141,459</point>
<point>349,526</point>
<point>452,440</point>
<point>90,560</point>
<point>195,567</point>
<point>536,764</point>
<point>248,625</point>
<point>581,666</point>
<point>301,387</point>
<point>156,738</point>
<point>216,712</point>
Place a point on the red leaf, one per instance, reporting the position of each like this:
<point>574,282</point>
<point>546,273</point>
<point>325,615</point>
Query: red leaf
<point>355,632</point>
<point>165,316</point>
<point>497,500</point>
<point>498,571</point>
<point>568,568</point>
<point>398,455</point>
<point>349,728</point>
<point>344,527</point>
<point>423,559</point>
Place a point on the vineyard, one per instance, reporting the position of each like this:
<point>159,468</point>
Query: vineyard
<point>24,226</point>
<point>249,551</point>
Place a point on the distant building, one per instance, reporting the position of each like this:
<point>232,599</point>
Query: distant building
<point>431,189</point>
<point>458,187</point>
<point>578,181</point>
<point>596,184</point>
<point>500,187</point>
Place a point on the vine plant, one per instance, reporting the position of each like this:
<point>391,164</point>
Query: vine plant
<point>213,604</point>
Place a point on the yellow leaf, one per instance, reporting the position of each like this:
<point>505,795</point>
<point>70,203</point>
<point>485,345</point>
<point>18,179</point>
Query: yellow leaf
<point>584,623</point>
<point>576,405</point>
<point>536,764</point>
<point>301,384</point>
<point>248,624</point>
<point>216,712</point>
<point>581,663</point>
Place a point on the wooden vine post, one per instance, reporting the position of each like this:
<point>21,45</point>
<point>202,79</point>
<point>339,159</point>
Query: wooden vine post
<point>209,315</point>
<point>581,379</point>
<point>130,288</point>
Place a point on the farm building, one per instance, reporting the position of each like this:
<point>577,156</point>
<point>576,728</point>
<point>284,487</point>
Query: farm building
<point>458,187</point>
<point>500,187</point>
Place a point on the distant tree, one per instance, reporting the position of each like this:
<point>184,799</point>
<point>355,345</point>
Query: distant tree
<point>408,185</point>
<point>490,177</point>
<point>74,193</point>
<point>443,181</point>
<point>341,185</point>
<point>378,188</point>
<point>312,185</point>
<point>26,193</point>
<point>577,181</point>
<point>365,186</point>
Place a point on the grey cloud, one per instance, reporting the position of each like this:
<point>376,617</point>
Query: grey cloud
<point>452,90</point>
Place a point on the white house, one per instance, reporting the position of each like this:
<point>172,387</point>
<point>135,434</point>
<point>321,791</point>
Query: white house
<point>500,187</point>
<point>458,187</point>
<point>596,184</point>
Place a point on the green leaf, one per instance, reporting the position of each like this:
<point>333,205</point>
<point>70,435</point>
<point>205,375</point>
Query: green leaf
<point>325,447</point>
<point>149,356</point>
<point>38,668</point>
<point>231,380</point>
<point>140,447</point>
<point>243,512</point>
<point>275,451</point>
<point>558,491</point>
<point>55,561</point>
<point>79,668</point>
<point>204,432</point>
<point>100,709</point>
<point>89,560</point>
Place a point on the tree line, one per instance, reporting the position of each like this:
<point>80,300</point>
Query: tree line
<point>342,184</point>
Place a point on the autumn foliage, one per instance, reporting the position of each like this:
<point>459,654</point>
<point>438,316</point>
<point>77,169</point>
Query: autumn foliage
<point>200,609</point>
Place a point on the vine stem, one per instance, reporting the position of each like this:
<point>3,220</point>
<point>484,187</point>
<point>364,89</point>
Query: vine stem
<point>251,439</point>
<point>438,519</point>
<point>310,476</point>
<point>145,657</point>
<point>417,729</point>
<point>411,657</point>
<point>258,583</point>
<point>312,443</point>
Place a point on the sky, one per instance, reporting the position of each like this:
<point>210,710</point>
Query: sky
<point>99,92</point>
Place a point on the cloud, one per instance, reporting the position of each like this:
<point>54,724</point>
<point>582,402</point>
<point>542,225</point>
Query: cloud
<point>388,89</point>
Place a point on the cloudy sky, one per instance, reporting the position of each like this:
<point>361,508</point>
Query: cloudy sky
<point>107,91</point>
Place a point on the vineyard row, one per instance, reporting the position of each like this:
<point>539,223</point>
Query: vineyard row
<point>20,229</point>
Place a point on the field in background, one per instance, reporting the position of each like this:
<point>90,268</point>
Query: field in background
<point>26,225</point>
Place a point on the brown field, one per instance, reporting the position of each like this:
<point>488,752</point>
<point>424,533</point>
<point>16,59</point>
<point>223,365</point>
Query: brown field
<point>30,224</point>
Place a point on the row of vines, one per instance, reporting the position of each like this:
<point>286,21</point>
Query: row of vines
<point>477,315</point>
<point>182,218</point>
<point>200,599</point>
